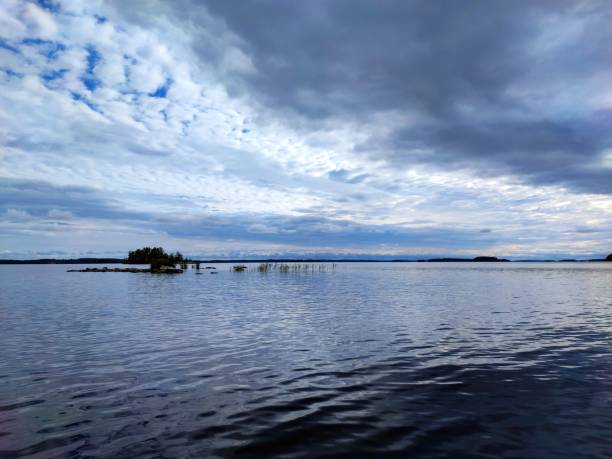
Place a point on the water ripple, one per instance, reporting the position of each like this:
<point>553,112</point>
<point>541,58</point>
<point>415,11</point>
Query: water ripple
<point>368,360</point>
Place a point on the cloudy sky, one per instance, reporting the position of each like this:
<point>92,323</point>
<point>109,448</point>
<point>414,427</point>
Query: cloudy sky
<point>335,128</point>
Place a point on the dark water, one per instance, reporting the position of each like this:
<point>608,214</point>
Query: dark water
<point>369,360</point>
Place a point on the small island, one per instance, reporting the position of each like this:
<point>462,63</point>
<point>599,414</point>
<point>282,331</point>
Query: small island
<point>148,255</point>
<point>476,259</point>
<point>160,262</point>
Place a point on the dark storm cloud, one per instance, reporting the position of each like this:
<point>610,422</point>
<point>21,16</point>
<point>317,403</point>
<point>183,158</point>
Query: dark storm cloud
<point>360,55</point>
<point>477,79</point>
<point>543,151</point>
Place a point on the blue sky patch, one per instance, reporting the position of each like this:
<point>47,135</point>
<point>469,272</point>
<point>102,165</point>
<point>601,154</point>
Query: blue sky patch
<point>93,57</point>
<point>90,83</point>
<point>162,90</point>
<point>88,78</point>
<point>79,98</point>
<point>12,74</point>
<point>53,74</point>
<point>49,5</point>
<point>6,45</point>
<point>48,48</point>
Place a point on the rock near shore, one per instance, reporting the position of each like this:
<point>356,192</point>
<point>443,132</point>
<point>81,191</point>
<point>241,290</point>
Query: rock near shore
<point>162,270</point>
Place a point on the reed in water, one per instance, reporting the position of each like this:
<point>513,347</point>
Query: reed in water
<point>286,267</point>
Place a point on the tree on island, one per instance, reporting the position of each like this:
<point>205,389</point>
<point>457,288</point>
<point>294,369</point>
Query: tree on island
<point>609,257</point>
<point>155,255</point>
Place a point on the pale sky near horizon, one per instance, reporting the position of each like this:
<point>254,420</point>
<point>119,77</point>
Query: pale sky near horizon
<point>315,128</point>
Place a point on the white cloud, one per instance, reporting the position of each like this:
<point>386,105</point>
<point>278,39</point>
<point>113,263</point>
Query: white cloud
<point>15,215</point>
<point>40,23</point>
<point>58,214</point>
<point>10,26</point>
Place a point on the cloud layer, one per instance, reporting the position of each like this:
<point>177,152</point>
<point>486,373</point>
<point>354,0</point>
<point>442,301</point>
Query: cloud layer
<point>342,127</point>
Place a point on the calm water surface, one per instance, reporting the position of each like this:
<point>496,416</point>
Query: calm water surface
<point>367,360</point>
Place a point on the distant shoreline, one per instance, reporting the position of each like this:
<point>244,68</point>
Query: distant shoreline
<point>59,261</point>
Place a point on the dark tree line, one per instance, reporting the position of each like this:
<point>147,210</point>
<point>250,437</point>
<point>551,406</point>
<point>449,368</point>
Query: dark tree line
<point>148,255</point>
<point>609,257</point>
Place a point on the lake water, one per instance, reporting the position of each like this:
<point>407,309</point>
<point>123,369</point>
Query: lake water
<point>366,360</point>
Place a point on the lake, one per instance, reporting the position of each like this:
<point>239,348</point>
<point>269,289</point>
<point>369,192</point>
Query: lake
<point>364,360</point>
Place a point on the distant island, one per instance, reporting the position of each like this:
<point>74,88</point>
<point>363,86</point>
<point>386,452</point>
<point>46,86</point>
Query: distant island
<point>63,261</point>
<point>476,259</point>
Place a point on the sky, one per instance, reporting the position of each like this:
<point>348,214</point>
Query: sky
<point>326,128</point>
